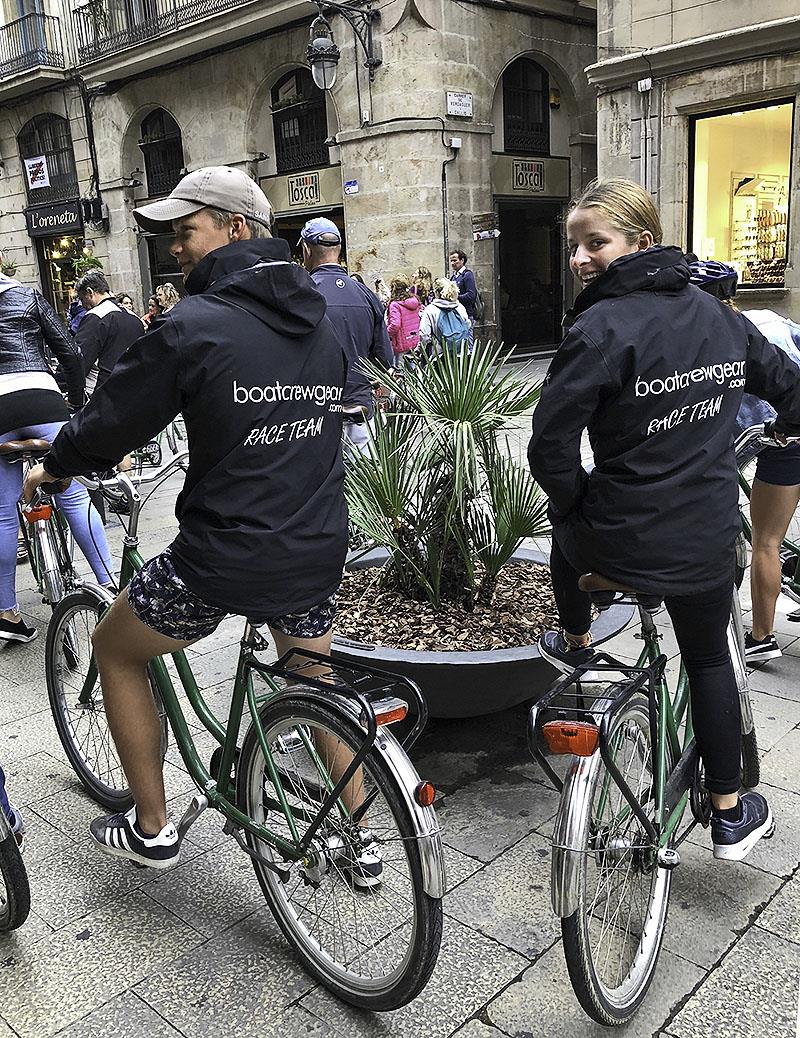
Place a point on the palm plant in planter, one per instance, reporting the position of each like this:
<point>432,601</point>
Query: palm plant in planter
<point>440,490</point>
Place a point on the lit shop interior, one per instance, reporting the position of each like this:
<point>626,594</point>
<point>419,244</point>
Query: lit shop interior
<point>740,182</point>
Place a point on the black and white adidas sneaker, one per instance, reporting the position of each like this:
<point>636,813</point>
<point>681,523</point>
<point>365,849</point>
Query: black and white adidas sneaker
<point>121,836</point>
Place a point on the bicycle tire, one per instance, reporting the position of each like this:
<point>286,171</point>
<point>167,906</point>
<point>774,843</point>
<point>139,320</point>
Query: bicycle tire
<point>83,730</point>
<point>616,1005</point>
<point>751,763</point>
<point>344,976</point>
<point>15,895</point>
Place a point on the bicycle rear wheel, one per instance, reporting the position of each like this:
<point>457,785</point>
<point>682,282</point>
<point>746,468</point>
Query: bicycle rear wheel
<point>613,939</point>
<point>15,892</point>
<point>76,702</point>
<point>374,946</point>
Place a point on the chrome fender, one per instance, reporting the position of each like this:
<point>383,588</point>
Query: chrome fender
<point>570,824</point>
<point>736,649</point>
<point>426,825</point>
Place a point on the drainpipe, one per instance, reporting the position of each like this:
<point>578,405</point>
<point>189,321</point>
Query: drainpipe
<point>644,86</point>
<point>445,210</point>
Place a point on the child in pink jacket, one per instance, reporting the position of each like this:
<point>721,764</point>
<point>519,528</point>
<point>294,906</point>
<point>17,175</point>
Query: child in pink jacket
<point>402,317</point>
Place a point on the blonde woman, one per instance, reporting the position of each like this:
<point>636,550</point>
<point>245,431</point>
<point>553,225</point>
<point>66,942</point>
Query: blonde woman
<point>167,296</point>
<point>655,369</point>
<point>444,324</point>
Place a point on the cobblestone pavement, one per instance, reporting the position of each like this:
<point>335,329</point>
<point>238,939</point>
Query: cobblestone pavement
<point>110,951</point>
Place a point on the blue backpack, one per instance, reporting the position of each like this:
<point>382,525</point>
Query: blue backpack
<point>452,331</point>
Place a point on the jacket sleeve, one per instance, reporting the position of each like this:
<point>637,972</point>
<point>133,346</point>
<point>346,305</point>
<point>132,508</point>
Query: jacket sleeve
<point>138,400</point>
<point>89,338</point>
<point>576,384</point>
<point>380,351</point>
<point>63,347</point>
<point>393,321</point>
<point>426,326</point>
<point>467,292</point>
<point>774,377</point>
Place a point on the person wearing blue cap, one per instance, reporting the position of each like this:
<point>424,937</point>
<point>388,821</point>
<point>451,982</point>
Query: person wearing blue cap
<point>355,312</point>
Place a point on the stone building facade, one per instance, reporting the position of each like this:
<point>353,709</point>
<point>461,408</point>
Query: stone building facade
<point>697,101</point>
<point>479,118</point>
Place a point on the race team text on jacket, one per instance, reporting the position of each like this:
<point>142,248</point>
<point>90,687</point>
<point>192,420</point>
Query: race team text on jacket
<point>253,364</point>
<point>655,369</point>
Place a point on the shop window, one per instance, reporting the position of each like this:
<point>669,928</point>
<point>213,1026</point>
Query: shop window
<point>300,122</point>
<point>740,178</point>
<point>526,112</point>
<point>47,136</point>
<point>162,148</point>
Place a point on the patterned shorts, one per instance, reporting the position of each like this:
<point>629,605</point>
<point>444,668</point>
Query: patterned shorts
<point>161,600</point>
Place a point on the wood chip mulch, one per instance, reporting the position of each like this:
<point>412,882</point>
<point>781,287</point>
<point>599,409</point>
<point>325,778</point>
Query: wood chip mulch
<point>522,608</point>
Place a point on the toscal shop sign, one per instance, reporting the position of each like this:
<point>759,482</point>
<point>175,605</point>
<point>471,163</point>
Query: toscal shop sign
<point>60,218</point>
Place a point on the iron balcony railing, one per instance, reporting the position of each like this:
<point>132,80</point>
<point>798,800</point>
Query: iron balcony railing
<point>104,27</point>
<point>30,42</point>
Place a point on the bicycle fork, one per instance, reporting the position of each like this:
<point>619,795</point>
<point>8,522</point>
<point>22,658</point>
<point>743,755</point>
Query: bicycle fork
<point>736,648</point>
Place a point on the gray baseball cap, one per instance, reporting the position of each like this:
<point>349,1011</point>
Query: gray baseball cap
<point>220,187</point>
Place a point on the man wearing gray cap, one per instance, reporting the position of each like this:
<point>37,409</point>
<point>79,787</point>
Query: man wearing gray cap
<point>355,313</point>
<point>253,364</point>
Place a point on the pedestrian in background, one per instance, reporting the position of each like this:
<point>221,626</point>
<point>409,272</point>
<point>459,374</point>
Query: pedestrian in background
<point>465,279</point>
<point>167,296</point>
<point>382,292</point>
<point>422,286</point>
<point>444,324</point>
<point>402,317</point>
<point>153,311</point>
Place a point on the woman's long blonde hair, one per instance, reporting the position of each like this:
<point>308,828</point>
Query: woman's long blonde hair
<point>627,206</point>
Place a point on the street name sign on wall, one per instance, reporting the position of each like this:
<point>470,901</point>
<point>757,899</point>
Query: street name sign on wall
<point>59,218</point>
<point>459,103</point>
<point>485,226</point>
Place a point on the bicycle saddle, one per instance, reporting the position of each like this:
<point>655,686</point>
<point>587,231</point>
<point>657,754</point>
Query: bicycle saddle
<point>14,449</point>
<point>602,589</point>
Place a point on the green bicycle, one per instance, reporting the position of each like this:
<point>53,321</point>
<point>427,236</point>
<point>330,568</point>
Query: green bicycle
<point>633,772</point>
<point>316,780</point>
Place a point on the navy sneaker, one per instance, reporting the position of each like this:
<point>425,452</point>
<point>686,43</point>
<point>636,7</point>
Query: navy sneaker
<point>121,836</point>
<point>733,841</point>
<point>16,631</point>
<point>365,870</point>
<point>555,648</point>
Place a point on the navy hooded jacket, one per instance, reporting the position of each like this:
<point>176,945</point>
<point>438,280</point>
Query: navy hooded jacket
<point>654,369</point>
<point>253,364</point>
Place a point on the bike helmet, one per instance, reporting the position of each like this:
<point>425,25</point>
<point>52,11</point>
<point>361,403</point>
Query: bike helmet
<point>716,278</point>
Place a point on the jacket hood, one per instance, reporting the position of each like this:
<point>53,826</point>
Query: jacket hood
<point>444,304</point>
<point>662,268</point>
<point>6,283</point>
<point>259,275</point>
<point>412,303</point>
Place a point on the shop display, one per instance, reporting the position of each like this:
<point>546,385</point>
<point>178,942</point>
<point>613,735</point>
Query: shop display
<point>759,220</point>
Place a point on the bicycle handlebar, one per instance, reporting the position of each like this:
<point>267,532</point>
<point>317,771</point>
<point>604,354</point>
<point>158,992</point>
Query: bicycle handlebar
<point>121,478</point>
<point>765,432</point>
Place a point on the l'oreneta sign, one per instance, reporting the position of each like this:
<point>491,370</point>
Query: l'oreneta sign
<point>59,218</point>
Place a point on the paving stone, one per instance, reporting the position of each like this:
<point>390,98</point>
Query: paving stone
<point>508,806</point>
<point>458,867</point>
<point>774,717</point>
<point>34,733</point>
<point>471,969</point>
<point>475,1029</point>
<point>782,914</point>
<point>71,883</point>
<point>781,681</point>
<point>212,891</point>
<point>33,778</point>
<point>542,1001</point>
<point>779,767</point>
<point>89,962</point>
<point>510,899</point>
<point>42,840</point>
<point>710,903</point>
<point>249,967</point>
<point>125,1016</point>
<point>779,855</point>
<point>752,992</point>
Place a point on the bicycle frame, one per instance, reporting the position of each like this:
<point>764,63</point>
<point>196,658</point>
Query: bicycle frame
<point>351,688</point>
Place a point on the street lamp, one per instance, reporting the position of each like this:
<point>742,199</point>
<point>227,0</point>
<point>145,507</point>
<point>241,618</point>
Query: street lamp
<point>323,54</point>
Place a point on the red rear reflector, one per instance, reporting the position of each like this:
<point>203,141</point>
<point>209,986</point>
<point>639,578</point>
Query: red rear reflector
<point>391,714</point>
<point>424,794</point>
<point>579,737</point>
<point>33,515</point>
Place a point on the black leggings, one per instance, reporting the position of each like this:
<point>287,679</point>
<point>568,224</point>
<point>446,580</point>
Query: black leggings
<point>700,622</point>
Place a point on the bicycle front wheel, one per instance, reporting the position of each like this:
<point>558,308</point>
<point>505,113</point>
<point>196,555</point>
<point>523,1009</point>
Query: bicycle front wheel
<point>354,908</point>
<point>76,702</point>
<point>15,893</point>
<point>613,939</point>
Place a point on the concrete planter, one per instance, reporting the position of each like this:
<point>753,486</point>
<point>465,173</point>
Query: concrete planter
<point>470,684</point>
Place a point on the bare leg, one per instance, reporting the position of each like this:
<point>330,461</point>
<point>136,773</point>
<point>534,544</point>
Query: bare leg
<point>335,755</point>
<point>771,511</point>
<point>123,647</point>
